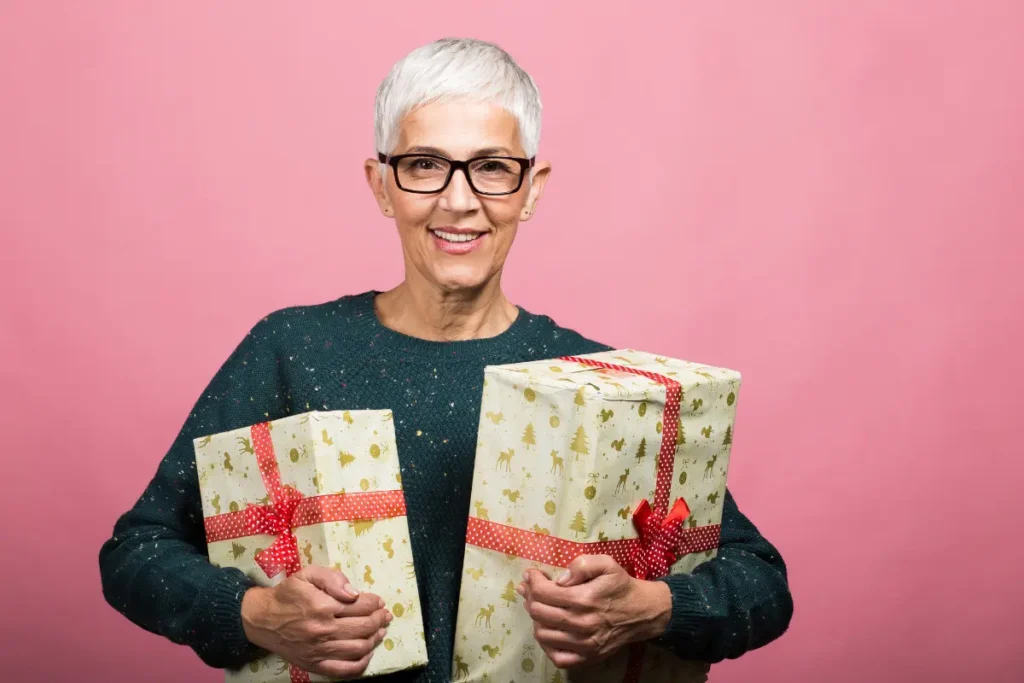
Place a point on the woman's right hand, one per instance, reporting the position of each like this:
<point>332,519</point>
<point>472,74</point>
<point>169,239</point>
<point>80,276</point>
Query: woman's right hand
<point>316,621</point>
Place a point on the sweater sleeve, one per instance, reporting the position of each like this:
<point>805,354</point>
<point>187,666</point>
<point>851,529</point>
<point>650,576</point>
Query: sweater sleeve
<point>734,603</point>
<point>154,568</point>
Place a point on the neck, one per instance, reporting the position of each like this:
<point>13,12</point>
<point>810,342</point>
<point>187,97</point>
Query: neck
<point>429,313</point>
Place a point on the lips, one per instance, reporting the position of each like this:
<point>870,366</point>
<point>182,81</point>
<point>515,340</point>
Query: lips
<point>457,241</point>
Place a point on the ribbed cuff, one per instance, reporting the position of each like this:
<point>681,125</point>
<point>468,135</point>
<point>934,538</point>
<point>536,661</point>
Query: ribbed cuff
<point>226,645</point>
<point>688,613</point>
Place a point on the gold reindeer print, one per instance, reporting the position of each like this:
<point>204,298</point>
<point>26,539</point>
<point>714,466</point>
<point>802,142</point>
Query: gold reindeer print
<point>410,570</point>
<point>206,441</point>
<point>227,462</point>
<point>326,439</point>
<point>475,573</point>
<point>368,576</point>
<point>703,374</point>
<point>556,463</point>
<point>481,511</point>
<point>621,486</point>
<point>606,414</point>
<point>709,468</point>
<point>246,446</point>
<point>361,526</point>
<point>484,616</point>
<point>505,458</point>
<point>461,669</point>
<point>512,496</point>
<point>387,545</point>
<point>492,650</point>
<point>537,528</point>
<point>216,503</point>
<point>345,459</point>
<point>713,497</point>
<point>496,418</point>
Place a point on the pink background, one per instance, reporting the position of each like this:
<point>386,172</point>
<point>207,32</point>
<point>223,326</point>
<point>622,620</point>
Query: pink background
<point>826,196</point>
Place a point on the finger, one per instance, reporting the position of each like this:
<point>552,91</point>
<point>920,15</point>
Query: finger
<point>350,650</point>
<point>330,581</point>
<point>543,590</point>
<point>563,659</point>
<point>556,617</point>
<point>556,639</point>
<point>361,627</point>
<point>342,670</point>
<point>587,567</point>
<point>365,605</point>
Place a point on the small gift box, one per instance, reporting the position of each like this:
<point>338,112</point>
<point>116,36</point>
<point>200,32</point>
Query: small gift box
<point>317,488</point>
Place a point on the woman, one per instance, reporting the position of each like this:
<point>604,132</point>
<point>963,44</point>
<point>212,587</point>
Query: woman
<point>457,130</point>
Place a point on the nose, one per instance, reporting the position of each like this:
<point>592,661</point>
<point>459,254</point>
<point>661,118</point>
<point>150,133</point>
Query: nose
<point>459,196</point>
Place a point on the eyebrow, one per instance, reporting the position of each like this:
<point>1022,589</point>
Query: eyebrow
<point>486,151</point>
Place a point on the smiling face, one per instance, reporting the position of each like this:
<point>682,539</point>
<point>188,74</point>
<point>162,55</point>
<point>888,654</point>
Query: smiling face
<point>456,239</point>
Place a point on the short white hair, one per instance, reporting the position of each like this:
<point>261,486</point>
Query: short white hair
<point>457,67</point>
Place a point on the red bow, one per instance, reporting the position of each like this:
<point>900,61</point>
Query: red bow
<point>276,519</point>
<point>659,539</point>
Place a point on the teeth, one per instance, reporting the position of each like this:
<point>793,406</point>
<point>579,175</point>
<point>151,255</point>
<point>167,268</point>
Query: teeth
<point>452,237</point>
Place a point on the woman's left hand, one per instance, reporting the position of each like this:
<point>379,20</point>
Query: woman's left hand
<point>593,609</point>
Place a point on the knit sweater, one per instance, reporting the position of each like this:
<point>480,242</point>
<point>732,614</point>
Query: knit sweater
<point>337,355</point>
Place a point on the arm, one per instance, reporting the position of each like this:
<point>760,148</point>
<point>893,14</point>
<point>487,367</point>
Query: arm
<point>154,568</point>
<point>737,602</point>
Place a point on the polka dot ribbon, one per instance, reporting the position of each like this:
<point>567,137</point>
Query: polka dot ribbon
<point>288,509</point>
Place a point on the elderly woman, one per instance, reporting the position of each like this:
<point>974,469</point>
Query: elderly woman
<point>457,130</point>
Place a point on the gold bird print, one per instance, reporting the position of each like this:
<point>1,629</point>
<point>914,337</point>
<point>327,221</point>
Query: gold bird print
<point>327,440</point>
<point>388,547</point>
<point>368,576</point>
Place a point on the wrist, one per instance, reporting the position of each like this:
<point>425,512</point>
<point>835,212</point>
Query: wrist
<point>254,603</point>
<point>656,608</point>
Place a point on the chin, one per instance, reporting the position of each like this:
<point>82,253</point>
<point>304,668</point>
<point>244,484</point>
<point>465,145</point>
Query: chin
<point>462,278</point>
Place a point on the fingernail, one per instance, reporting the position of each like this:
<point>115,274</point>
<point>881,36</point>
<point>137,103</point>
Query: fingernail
<point>526,576</point>
<point>350,589</point>
<point>381,632</point>
<point>520,589</point>
<point>564,578</point>
<point>388,617</point>
<point>380,603</point>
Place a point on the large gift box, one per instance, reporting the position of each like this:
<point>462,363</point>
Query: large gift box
<point>317,488</point>
<point>621,453</point>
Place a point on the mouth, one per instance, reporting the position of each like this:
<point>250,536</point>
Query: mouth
<point>457,240</point>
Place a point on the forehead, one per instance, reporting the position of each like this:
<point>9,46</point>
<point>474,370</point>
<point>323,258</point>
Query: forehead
<point>460,127</point>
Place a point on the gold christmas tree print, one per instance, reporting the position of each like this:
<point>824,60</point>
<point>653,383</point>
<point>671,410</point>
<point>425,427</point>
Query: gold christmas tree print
<point>557,677</point>
<point>237,550</point>
<point>528,436</point>
<point>579,444</point>
<point>727,439</point>
<point>680,434</point>
<point>580,399</point>
<point>578,525</point>
<point>345,459</point>
<point>641,451</point>
<point>509,594</point>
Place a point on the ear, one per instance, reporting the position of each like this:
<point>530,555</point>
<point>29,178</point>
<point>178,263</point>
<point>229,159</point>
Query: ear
<point>541,172</point>
<point>377,185</point>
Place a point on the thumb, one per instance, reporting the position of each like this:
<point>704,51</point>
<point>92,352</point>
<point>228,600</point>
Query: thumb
<point>332,582</point>
<point>586,567</point>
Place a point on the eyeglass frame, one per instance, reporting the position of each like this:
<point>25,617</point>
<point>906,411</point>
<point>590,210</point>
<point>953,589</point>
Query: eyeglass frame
<point>455,165</point>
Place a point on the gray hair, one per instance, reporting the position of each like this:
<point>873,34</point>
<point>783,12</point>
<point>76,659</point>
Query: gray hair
<point>457,67</point>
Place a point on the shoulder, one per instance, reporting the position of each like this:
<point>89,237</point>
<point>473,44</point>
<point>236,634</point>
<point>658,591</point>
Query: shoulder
<point>562,340</point>
<point>284,327</point>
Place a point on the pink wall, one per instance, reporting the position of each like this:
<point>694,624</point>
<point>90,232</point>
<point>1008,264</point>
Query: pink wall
<point>828,193</point>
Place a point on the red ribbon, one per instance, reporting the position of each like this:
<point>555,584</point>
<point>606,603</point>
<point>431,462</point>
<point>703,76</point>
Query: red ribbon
<point>288,509</point>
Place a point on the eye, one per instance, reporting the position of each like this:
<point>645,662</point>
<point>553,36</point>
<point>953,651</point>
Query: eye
<point>494,166</point>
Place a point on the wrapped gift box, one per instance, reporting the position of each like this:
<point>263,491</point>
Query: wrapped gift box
<point>317,488</point>
<point>575,455</point>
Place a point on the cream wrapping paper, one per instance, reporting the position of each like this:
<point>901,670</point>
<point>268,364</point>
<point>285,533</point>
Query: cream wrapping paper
<point>345,466</point>
<point>570,450</point>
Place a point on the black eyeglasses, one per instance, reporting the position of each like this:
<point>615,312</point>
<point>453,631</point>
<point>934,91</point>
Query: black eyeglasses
<point>428,174</point>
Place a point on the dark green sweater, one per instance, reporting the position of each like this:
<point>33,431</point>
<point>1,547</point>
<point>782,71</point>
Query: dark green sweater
<point>337,355</point>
